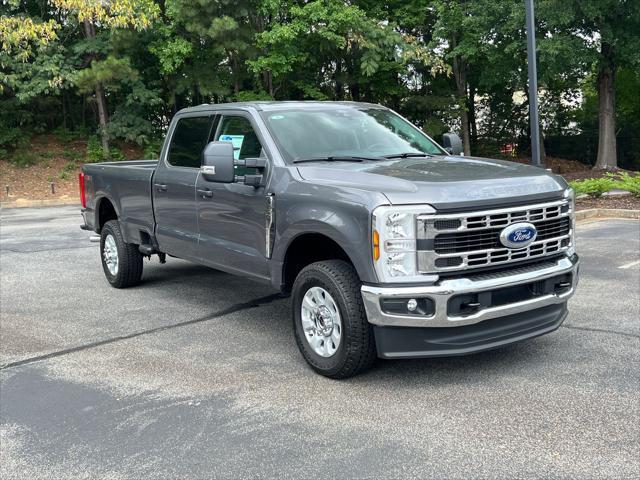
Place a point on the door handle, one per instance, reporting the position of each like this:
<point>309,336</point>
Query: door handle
<point>205,193</point>
<point>161,187</point>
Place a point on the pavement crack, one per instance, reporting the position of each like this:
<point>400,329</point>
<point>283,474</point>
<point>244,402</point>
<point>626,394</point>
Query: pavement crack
<point>227,311</point>
<point>601,330</point>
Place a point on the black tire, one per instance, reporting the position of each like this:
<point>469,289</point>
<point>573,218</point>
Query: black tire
<point>129,269</point>
<point>356,351</point>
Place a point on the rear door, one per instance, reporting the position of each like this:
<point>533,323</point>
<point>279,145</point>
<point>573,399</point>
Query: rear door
<point>231,216</point>
<point>174,185</point>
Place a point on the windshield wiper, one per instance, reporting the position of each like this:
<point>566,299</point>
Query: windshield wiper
<point>408,155</point>
<point>336,158</point>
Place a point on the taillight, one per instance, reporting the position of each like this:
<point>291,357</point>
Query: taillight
<point>83,196</point>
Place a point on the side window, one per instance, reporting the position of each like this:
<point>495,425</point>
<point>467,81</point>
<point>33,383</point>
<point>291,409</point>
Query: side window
<point>189,139</point>
<point>238,130</point>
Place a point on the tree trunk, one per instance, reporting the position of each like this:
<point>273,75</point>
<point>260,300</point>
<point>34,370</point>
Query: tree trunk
<point>103,114</point>
<point>339,86</point>
<point>267,77</point>
<point>460,74</point>
<point>103,117</point>
<point>607,152</point>
<point>471,109</point>
<point>235,73</point>
<point>461,86</point>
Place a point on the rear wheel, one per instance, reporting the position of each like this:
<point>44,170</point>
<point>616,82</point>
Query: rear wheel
<point>121,261</point>
<point>330,324</point>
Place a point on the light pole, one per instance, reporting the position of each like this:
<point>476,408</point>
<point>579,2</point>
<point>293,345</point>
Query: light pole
<point>533,83</point>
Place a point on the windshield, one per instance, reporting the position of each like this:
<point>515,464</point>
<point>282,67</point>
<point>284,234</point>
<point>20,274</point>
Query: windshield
<point>345,131</point>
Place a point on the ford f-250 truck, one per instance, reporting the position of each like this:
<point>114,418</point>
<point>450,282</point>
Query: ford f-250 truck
<point>390,245</point>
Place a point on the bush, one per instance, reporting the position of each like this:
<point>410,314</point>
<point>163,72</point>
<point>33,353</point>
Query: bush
<point>23,158</point>
<point>11,138</point>
<point>71,154</point>
<point>152,150</point>
<point>95,153</point>
<point>64,136</point>
<point>625,181</point>
<point>94,150</point>
<point>594,187</point>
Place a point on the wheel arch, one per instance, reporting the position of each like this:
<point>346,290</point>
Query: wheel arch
<point>105,210</point>
<point>312,246</point>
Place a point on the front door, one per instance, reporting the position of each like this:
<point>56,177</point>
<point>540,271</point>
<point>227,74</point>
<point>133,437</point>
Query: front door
<point>174,187</point>
<point>231,216</point>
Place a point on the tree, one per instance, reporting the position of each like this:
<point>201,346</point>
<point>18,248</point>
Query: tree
<point>96,14</point>
<point>609,29</point>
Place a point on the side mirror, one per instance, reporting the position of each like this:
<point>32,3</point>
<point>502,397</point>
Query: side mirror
<point>218,162</point>
<point>452,143</point>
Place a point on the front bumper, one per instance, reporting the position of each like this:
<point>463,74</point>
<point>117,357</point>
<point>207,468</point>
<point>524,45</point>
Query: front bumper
<point>484,328</point>
<point>442,292</point>
<point>415,342</point>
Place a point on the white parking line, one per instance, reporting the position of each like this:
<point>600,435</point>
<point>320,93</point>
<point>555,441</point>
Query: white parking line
<point>629,265</point>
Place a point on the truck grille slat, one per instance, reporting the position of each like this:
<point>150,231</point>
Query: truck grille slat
<point>467,240</point>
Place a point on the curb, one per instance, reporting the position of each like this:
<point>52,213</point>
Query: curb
<point>607,213</point>
<point>54,202</point>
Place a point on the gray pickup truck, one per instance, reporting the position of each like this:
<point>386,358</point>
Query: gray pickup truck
<point>390,245</point>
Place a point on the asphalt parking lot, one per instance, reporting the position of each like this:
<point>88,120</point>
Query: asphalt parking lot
<point>195,374</point>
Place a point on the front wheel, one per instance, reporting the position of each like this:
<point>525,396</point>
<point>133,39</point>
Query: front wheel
<point>330,323</point>
<point>121,261</point>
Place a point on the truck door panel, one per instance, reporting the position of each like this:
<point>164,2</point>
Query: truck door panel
<point>174,187</point>
<point>231,218</point>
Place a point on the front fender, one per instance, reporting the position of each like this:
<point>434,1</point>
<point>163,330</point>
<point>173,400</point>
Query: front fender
<point>346,223</point>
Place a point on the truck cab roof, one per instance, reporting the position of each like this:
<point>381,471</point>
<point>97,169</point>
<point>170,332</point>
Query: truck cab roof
<point>278,105</point>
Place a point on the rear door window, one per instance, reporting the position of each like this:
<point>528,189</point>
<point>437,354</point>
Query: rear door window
<point>190,137</point>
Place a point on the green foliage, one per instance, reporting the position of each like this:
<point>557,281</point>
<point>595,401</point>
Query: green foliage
<point>95,153</point>
<point>432,60</point>
<point>594,187</point>
<point>10,137</point>
<point>109,73</point>
<point>67,170</point>
<point>71,155</point>
<point>152,150</point>
<point>626,181</point>
<point>23,158</point>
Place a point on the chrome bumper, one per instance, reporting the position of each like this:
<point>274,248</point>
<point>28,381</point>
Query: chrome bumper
<point>441,292</point>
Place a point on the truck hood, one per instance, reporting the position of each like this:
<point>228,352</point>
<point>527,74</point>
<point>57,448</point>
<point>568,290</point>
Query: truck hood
<point>449,182</point>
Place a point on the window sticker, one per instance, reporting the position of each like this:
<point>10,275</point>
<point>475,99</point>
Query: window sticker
<point>236,141</point>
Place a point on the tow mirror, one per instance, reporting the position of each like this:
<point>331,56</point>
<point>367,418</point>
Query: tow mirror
<point>452,143</point>
<point>218,162</point>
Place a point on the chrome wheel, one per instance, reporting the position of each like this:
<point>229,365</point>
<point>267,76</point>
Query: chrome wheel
<point>321,321</point>
<point>110,254</point>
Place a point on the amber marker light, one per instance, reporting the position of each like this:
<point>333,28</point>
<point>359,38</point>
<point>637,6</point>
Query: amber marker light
<point>376,245</point>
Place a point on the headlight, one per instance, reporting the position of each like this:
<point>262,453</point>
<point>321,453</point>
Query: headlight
<point>394,242</point>
<point>571,195</point>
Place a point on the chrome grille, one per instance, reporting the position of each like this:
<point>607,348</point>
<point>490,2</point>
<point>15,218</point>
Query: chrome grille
<point>458,241</point>
<point>490,238</point>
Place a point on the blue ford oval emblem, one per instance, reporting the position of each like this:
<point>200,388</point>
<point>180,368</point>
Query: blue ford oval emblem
<point>518,235</point>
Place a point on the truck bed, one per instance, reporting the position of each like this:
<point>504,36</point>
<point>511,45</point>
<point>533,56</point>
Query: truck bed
<point>127,185</point>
